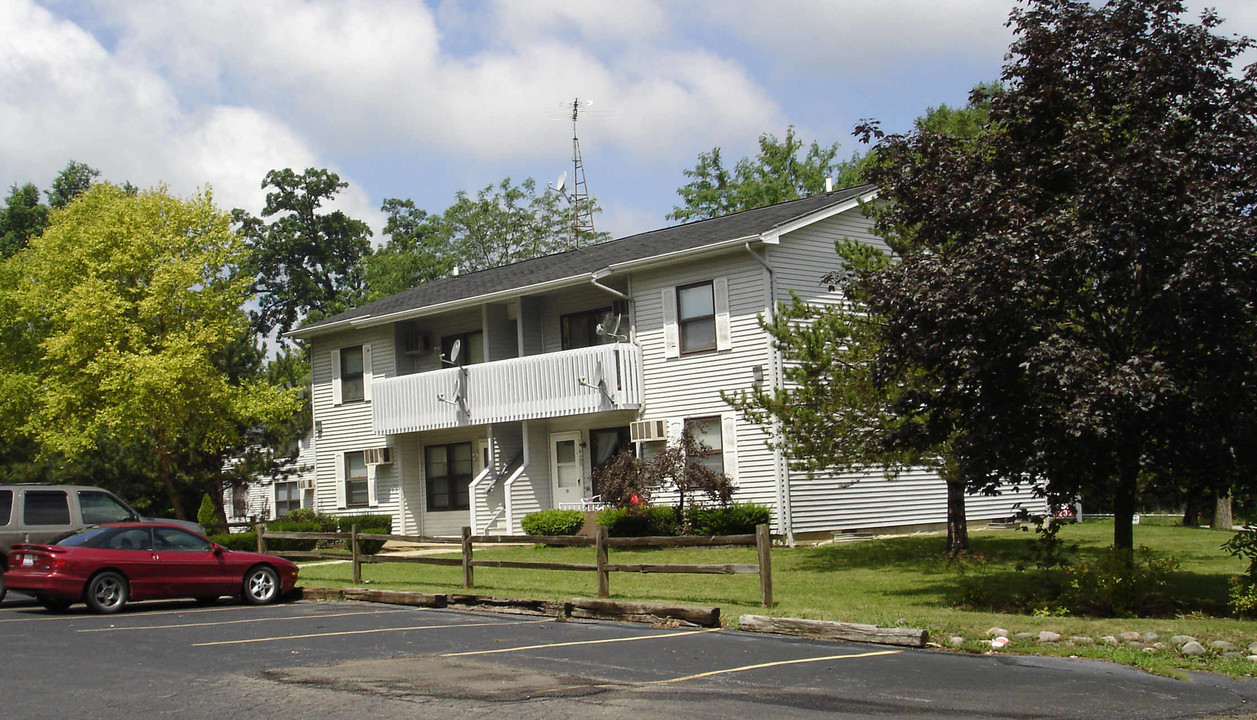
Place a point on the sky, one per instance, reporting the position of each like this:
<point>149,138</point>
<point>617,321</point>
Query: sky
<point>418,100</point>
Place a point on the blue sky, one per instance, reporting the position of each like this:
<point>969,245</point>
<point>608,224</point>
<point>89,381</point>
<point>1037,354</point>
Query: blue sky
<point>418,100</point>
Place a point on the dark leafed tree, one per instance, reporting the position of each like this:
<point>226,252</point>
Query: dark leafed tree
<point>22,218</point>
<point>306,261</point>
<point>776,174</point>
<point>1080,281</point>
<point>72,181</point>
<point>507,223</point>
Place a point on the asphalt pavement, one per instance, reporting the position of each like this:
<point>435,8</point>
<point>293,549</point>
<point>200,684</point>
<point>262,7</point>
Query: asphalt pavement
<point>332,660</point>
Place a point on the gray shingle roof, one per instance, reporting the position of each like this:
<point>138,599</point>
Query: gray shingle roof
<point>582,261</point>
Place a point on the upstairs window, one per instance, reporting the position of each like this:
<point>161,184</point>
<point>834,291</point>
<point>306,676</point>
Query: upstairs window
<point>352,385</point>
<point>696,317</point>
<point>580,329</point>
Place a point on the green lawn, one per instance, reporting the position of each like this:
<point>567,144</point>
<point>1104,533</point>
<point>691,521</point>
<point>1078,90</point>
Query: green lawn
<point>903,581</point>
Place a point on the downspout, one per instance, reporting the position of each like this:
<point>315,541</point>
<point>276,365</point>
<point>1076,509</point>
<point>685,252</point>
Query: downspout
<point>785,524</point>
<point>594,281</point>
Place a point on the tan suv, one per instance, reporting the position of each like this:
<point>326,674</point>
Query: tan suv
<point>43,513</point>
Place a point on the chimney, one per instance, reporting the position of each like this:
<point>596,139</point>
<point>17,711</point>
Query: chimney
<point>829,184</point>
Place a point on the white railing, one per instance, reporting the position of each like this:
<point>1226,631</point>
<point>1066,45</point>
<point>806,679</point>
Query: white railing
<point>572,382</point>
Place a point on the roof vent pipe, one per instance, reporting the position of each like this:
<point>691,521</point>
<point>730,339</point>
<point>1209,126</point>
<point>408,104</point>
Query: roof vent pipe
<point>829,184</point>
<point>455,270</point>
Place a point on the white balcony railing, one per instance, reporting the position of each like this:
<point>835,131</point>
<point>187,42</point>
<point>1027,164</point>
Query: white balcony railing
<point>572,382</point>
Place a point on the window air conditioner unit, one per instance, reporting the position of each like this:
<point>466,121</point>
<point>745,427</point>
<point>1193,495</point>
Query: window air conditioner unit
<point>647,430</point>
<point>416,343</point>
<point>305,483</point>
<point>379,456</point>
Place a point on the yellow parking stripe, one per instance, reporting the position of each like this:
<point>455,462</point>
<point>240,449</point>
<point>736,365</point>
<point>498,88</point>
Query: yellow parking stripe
<point>580,642</point>
<point>237,622</point>
<point>364,632</point>
<point>136,610</point>
<point>744,668</point>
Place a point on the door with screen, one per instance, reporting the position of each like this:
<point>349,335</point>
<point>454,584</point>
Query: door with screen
<point>567,468</point>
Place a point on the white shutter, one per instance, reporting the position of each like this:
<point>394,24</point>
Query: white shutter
<point>671,336</point>
<point>729,439</point>
<point>373,499</point>
<point>340,480</point>
<point>336,395</point>
<point>675,425</point>
<point>724,337</point>
<point>366,375</point>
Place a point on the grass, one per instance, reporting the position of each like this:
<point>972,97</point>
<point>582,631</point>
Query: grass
<point>902,581</point>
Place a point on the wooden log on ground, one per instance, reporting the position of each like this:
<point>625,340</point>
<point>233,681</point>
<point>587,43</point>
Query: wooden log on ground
<point>690,569</point>
<point>396,597</point>
<point>516,606</point>
<point>596,609</point>
<point>827,630</point>
<point>317,593</point>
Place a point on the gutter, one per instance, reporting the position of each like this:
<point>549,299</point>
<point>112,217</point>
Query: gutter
<point>786,520</point>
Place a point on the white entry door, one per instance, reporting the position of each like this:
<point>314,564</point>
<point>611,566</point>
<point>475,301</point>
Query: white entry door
<point>566,468</point>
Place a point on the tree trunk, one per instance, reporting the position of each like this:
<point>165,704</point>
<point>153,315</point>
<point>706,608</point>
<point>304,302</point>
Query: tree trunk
<point>1124,507</point>
<point>1222,518</point>
<point>957,524</point>
<point>1191,510</point>
<point>167,477</point>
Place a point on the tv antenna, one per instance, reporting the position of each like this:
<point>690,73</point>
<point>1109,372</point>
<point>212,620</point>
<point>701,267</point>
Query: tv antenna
<point>582,210</point>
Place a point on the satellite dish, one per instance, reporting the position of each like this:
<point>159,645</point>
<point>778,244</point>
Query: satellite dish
<point>560,183</point>
<point>455,349</point>
<point>612,331</point>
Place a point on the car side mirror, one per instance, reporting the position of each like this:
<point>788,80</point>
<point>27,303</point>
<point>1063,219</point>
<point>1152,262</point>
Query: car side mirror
<point>216,548</point>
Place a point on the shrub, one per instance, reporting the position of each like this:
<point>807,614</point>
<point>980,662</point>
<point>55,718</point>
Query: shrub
<point>326,522</point>
<point>640,521</point>
<point>372,524</point>
<point>247,541</point>
<point>553,522</point>
<point>207,514</point>
<point>736,519</point>
<point>286,525</point>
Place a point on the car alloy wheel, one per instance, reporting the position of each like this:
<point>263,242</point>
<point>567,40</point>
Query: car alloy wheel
<point>261,585</point>
<point>106,592</point>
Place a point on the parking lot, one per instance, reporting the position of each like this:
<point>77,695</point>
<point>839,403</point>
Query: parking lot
<point>351,660</point>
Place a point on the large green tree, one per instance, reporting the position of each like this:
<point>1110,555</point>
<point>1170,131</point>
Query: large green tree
<point>777,174</point>
<point>125,300</point>
<point>417,251</point>
<point>22,218</point>
<point>1083,288</point>
<point>305,262</point>
<point>73,180</point>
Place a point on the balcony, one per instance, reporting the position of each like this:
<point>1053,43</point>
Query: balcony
<point>572,382</point>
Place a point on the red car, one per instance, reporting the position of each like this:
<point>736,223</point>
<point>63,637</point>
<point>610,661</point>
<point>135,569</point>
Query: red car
<point>108,565</point>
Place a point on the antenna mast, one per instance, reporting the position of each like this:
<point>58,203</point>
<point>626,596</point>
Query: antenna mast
<point>582,211</point>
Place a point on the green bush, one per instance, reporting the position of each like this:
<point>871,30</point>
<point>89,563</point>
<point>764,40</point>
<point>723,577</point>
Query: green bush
<point>371,524</point>
<point>207,514</point>
<point>640,521</point>
<point>286,525</point>
<point>327,523</point>
<point>553,522</point>
<point>735,519</point>
<point>247,541</point>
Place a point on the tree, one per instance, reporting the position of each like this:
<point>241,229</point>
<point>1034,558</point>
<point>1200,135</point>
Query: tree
<point>1083,286</point>
<point>832,414</point>
<point>305,263</point>
<point>22,218</point>
<point>776,175</point>
<point>73,180</point>
<point>127,299</point>
<point>507,223</point>
<point>417,251</point>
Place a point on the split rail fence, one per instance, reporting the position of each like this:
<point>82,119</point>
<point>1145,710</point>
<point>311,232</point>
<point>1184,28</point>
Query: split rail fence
<point>601,543</point>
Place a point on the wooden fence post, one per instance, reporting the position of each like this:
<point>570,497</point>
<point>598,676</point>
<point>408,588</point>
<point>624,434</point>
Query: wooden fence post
<point>604,577</point>
<point>353,547</point>
<point>764,544</point>
<point>469,576</point>
<point>260,529</point>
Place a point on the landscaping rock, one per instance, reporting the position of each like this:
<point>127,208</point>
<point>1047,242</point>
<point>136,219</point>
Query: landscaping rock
<point>1253,658</point>
<point>1149,649</point>
<point>1159,645</point>
<point>1192,648</point>
<point>1130,635</point>
<point>1109,640</point>
<point>1082,640</point>
<point>1252,648</point>
<point>956,641</point>
<point>1136,645</point>
<point>996,632</point>
<point>1150,637</point>
<point>1023,636</point>
<point>1047,636</point>
<point>1180,640</point>
<point>1222,645</point>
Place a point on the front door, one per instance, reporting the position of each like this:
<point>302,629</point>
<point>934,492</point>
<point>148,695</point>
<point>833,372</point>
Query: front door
<point>566,468</point>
